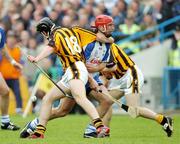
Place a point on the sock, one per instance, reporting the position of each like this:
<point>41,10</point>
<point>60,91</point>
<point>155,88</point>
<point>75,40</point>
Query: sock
<point>34,123</point>
<point>5,119</point>
<point>161,119</point>
<point>40,130</point>
<point>97,123</point>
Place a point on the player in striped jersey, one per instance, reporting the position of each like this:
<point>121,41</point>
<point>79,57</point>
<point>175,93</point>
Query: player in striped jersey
<point>129,79</point>
<point>67,43</point>
<point>94,54</point>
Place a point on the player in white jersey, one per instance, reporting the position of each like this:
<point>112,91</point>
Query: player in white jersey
<point>4,89</point>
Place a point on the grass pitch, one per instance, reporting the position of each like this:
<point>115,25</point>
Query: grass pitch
<point>69,130</point>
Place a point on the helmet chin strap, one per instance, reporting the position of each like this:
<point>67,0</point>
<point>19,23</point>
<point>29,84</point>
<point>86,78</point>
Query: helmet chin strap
<point>46,36</point>
<point>53,27</point>
<point>104,31</point>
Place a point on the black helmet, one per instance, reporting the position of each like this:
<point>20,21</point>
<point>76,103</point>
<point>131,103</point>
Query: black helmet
<point>45,25</point>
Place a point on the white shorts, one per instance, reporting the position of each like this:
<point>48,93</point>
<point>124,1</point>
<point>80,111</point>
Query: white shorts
<point>77,71</point>
<point>131,82</point>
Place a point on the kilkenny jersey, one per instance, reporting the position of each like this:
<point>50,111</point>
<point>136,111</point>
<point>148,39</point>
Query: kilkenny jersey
<point>68,44</point>
<point>122,60</point>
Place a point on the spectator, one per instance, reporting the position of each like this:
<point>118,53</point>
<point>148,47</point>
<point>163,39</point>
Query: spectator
<point>67,21</point>
<point>136,7</point>
<point>117,17</point>
<point>54,16</point>
<point>167,13</point>
<point>174,54</point>
<point>9,72</point>
<point>129,28</point>
<point>148,24</point>
<point>83,21</point>
<point>122,7</point>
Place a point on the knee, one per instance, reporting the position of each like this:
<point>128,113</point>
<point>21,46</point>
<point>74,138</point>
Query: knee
<point>134,112</point>
<point>47,99</point>
<point>62,113</point>
<point>107,102</point>
<point>5,92</point>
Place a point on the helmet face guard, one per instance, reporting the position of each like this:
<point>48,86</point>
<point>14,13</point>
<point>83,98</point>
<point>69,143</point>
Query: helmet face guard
<point>45,26</point>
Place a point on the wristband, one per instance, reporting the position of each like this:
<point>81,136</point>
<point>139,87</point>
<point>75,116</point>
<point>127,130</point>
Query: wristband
<point>13,62</point>
<point>110,65</point>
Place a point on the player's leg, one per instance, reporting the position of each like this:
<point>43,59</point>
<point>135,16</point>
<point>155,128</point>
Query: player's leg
<point>117,94</point>
<point>4,103</point>
<point>133,100</point>
<point>63,109</point>
<point>79,93</point>
<point>166,122</point>
<point>104,101</point>
<point>66,105</point>
<point>104,108</point>
<point>46,107</point>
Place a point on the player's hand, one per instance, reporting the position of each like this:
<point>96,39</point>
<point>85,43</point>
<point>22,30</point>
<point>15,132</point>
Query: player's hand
<point>31,58</point>
<point>91,68</point>
<point>17,65</point>
<point>93,85</point>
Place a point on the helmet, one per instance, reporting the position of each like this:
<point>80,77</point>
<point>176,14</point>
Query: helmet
<point>45,25</point>
<point>103,20</point>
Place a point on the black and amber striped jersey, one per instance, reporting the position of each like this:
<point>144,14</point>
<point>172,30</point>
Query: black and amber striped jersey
<point>68,43</point>
<point>122,60</point>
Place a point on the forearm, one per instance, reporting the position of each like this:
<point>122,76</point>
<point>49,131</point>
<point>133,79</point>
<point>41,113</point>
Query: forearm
<point>102,38</point>
<point>105,39</point>
<point>46,52</point>
<point>98,68</point>
<point>92,82</point>
<point>109,69</point>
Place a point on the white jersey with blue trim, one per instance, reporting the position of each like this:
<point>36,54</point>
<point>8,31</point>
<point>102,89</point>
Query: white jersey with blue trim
<point>2,41</point>
<point>96,53</point>
<point>2,38</point>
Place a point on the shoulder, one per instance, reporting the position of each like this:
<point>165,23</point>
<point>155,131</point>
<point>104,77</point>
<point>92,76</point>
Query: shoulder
<point>2,30</point>
<point>79,29</point>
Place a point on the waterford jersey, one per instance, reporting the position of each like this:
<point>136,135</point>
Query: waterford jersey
<point>96,53</point>
<point>2,38</point>
<point>122,60</point>
<point>69,42</point>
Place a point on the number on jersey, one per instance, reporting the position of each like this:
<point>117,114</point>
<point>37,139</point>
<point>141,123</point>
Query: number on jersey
<point>73,45</point>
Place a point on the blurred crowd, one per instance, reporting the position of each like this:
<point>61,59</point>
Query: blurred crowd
<point>19,19</point>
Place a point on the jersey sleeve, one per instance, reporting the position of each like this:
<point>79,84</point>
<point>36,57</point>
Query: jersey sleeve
<point>54,41</point>
<point>86,36</point>
<point>2,38</point>
<point>113,53</point>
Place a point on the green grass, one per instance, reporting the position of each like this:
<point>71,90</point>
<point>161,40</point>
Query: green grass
<point>69,130</point>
